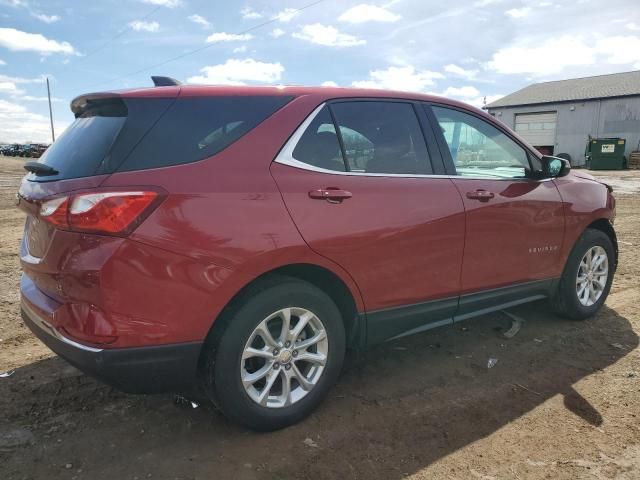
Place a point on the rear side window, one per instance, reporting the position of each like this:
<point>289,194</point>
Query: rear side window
<point>319,145</point>
<point>196,128</point>
<point>378,137</point>
<point>382,137</point>
<point>120,134</point>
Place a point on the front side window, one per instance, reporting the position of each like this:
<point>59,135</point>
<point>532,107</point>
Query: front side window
<point>480,149</point>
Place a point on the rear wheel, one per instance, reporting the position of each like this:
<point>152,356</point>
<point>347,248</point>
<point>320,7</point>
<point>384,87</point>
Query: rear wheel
<point>587,277</point>
<point>281,351</point>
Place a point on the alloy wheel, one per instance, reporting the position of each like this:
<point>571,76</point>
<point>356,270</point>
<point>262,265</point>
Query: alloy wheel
<point>284,358</point>
<point>592,276</point>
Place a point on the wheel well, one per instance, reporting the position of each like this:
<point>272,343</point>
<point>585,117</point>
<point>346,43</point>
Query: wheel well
<point>332,285</point>
<point>605,227</point>
<point>320,277</point>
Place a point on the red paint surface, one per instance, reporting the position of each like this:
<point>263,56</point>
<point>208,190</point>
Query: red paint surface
<point>523,214</point>
<point>400,238</point>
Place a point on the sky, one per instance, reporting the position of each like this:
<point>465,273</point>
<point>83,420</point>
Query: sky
<point>466,50</point>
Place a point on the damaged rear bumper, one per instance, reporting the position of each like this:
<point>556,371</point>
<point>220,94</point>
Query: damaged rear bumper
<point>155,369</point>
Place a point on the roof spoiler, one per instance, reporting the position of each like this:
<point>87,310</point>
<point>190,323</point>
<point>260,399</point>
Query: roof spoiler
<point>165,81</point>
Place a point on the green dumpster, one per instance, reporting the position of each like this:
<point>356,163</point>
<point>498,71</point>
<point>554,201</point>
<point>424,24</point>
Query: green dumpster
<point>605,154</point>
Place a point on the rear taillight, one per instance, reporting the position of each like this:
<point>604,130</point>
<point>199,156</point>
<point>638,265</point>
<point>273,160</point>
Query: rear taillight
<point>101,212</point>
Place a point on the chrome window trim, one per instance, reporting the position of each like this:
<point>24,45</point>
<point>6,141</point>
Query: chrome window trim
<point>49,329</point>
<point>285,157</point>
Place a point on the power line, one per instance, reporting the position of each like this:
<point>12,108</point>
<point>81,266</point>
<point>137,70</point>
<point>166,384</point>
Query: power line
<point>119,34</point>
<point>204,47</point>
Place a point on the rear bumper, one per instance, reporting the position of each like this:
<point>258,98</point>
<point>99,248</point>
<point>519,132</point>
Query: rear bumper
<point>156,369</point>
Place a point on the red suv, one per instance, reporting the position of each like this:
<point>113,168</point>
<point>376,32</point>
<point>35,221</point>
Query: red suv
<point>239,239</point>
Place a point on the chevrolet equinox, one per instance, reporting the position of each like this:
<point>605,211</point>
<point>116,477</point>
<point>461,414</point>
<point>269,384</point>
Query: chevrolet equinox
<point>237,240</point>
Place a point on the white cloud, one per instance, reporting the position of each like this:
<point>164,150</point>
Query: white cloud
<point>277,32</point>
<point>34,13</point>
<point>249,13</point>
<point>327,35</point>
<point>329,83</point>
<point>479,102</point>
<point>548,57</point>
<point>7,78</point>
<point>164,3</point>
<point>518,12</point>
<point>634,27</point>
<point>400,78</point>
<point>556,54</point>
<point>2,62</point>
<point>142,26</point>
<point>461,92</point>
<point>10,88</point>
<point>17,124</point>
<point>460,72</point>
<point>16,3</point>
<point>228,37</point>
<point>286,15</point>
<point>464,94</point>
<point>29,98</point>
<point>10,108</point>
<point>20,41</point>
<point>46,18</point>
<point>199,19</point>
<point>241,49</point>
<point>619,50</point>
<point>486,3</point>
<point>368,13</point>
<point>238,72</point>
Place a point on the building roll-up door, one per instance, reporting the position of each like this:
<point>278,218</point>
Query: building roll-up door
<point>539,129</point>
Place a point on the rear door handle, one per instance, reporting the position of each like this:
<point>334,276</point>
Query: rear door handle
<point>482,195</point>
<point>330,194</point>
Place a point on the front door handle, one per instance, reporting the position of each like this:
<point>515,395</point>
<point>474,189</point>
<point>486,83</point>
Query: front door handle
<point>330,194</point>
<point>482,195</point>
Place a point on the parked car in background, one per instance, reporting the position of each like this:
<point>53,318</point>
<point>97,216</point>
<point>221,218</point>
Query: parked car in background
<point>12,150</point>
<point>31,150</point>
<point>240,239</point>
<point>34,150</point>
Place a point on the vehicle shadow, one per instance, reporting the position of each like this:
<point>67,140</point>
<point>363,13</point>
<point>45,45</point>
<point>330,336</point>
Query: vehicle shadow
<point>398,408</point>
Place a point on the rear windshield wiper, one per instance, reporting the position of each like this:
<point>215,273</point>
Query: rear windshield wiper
<point>40,169</point>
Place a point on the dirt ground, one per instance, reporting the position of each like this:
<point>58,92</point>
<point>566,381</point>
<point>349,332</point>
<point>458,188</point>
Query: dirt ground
<point>562,401</point>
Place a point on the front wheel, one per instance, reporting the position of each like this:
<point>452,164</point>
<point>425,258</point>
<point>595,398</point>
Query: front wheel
<point>281,351</point>
<point>587,277</point>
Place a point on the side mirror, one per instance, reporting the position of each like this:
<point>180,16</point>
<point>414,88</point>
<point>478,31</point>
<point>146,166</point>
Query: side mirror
<point>553,167</point>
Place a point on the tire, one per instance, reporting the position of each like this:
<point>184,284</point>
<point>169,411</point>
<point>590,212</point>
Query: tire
<point>225,367</point>
<point>566,301</point>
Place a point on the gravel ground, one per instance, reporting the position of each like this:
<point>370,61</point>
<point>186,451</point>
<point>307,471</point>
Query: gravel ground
<point>561,402</point>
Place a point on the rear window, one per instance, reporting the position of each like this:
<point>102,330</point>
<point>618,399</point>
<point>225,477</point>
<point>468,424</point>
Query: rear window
<point>138,133</point>
<point>79,151</point>
<point>197,128</point>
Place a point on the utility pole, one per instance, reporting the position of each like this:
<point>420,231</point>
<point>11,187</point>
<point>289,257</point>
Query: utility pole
<point>53,135</point>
